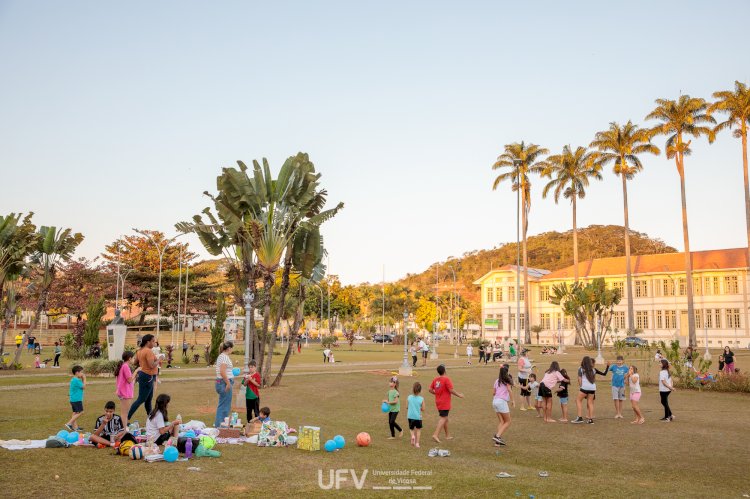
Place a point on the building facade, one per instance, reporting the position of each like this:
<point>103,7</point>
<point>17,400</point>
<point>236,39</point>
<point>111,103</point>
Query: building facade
<point>720,298</point>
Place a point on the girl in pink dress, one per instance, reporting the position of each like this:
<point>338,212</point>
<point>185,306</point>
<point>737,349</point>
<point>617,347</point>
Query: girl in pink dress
<point>124,380</point>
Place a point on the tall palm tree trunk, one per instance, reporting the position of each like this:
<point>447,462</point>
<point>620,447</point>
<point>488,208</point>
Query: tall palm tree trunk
<point>575,242</point>
<point>747,189</point>
<point>688,262</point>
<point>628,270</point>
<point>526,297</point>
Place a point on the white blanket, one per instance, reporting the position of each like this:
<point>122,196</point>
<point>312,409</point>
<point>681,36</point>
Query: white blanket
<point>22,444</point>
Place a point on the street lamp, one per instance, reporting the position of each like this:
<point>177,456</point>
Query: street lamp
<point>405,369</point>
<point>707,354</point>
<point>248,301</point>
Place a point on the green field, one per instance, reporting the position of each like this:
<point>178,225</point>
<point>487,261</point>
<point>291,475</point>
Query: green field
<point>704,453</point>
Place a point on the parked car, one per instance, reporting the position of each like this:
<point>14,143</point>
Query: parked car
<point>382,338</point>
<point>359,337</point>
<point>634,341</point>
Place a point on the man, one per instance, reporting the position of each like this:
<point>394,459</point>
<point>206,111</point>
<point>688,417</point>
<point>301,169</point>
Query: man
<point>442,388</point>
<point>184,348</point>
<point>31,343</point>
<point>424,348</point>
<point>619,370</point>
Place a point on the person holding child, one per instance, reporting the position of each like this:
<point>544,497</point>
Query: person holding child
<point>551,378</point>
<point>157,431</point>
<point>75,392</point>
<point>251,382</point>
<point>109,427</point>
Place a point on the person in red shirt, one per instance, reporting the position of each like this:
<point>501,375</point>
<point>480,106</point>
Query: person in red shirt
<point>442,388</point>
<point>251,380</point>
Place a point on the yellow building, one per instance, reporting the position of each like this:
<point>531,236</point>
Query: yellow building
<point>720,298</point>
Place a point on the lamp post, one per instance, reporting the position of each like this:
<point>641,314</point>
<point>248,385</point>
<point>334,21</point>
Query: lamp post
<point>517,164</point>
<point>454,328</point>
<point>405,369</point>
<point>599,357</point>
<point>248,301</point>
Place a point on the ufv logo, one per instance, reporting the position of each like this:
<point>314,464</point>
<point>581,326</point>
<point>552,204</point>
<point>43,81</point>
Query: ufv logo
<point>336,477</point>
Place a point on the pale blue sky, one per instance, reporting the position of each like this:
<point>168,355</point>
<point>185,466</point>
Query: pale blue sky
<point>403,106</point>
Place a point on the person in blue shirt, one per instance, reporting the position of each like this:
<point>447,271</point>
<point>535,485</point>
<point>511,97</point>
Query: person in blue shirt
<point>77,385</point>
<point>619,371</point>
<point>414,413</point>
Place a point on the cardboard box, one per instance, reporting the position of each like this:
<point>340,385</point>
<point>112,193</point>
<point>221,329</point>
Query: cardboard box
<point>253,428</point>
<point>308,438</point>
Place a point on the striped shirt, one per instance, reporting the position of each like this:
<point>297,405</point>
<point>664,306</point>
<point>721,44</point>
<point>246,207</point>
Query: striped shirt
<point>224,359</point>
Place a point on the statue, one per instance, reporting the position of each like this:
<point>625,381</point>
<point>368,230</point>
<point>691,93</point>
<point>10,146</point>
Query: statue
<point>117,320</point>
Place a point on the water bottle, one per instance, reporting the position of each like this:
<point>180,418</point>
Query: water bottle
<point>189,448</point>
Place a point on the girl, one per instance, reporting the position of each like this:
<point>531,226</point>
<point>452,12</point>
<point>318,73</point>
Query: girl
<point>634,381</point>
<point>665,388</point>
<point>223,383</point>
<point>550,379</point>
<point>587,381</point>
<point>395,403</point>
<point>562,392</point>
<point>481,352</point>
<point>534,394</point>
<point>728,360</point>
<point>125,382</point>
<point>502,393</point>
<point>524,370</point>
<point>58,351</point>
<point>414,414</point>
<point>157,430</point>
<point>413,351</point>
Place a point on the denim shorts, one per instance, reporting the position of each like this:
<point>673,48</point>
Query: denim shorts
<point>500,406</point>
<point>563,400</point>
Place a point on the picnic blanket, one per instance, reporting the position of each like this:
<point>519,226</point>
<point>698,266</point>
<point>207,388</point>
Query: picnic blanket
<point>15,444</point>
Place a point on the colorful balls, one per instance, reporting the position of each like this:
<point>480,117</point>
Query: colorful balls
<point>72,437</point>
<point>236,371</point>
<point>171,454</point>
<point>136,452</point>
<point>363,439</point>
<point>340,442</point>
<point>62,434</point>
<point>385,407</point>
<point>330,446</point>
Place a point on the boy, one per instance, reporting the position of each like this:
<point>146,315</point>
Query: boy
<point>469,352</point>
<point>442,388</point>
<point>252,393</point>
<point>77,385</point>
<point>109,427</point>
<point>619,370</point>
<point>265,415</point>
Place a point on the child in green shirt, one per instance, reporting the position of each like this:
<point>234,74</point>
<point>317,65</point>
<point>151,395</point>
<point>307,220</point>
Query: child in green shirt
<point>395,403</point>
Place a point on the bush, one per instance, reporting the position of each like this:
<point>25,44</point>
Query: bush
<point>735,382</point>
<point>100,366</point>
<point>70,349</point>
<point>328,341</point>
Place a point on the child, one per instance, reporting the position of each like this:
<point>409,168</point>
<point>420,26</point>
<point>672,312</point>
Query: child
<point>77,385</point>
<point>442,388</point>
<point>251,381</point>
<point>108,428</point>
<point>413,352</point>
<point>587,381</point>
<point>58,352</point>
<point>524,370</point>
<point>550,379</point>
<point>502,393</point>
<point>414,413</point>
<point>37,362</point>
<point>330,357</point>
<point>157,431</point>
<point>634,381</point>
<point>264,416</point>
<point>665,388</point>
<point>395,406</point>
<point>125,380</point>
<point>619,370</point>
<point>469,352</point>
<point>534,391</point>
<point>562,392</point>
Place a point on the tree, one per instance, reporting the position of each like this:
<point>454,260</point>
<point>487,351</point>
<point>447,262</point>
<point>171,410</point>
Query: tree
<point>621,145</point>
<point>591,307</point>
<point>737,107</point>
<point>684,116</point>
<point>517,162</point>
<point>77,281</point>
<point>94,313</point>
<point>217,329</point>
<point>570,173</point>
<point>426,315</point>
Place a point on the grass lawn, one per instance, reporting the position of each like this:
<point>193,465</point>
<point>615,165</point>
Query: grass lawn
<point>706,449</point>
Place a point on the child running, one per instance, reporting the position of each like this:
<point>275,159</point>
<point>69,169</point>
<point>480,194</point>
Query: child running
<point>414,413</point>
<point>75,392</point>
<point>549,381</point>
<point>634,381</point>
<point>395,407</point>
<point>534,391</point>
<point>502,393</point>
<point>562,392</point>
<point>587,381</point>
<point>442,388</point>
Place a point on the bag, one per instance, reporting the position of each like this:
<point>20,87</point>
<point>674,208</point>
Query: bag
<point>273,434</point>
<point>56,443</point>
<point>309,438</point>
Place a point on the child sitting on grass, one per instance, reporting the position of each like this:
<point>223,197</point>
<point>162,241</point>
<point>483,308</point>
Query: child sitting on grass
<point>77,385</point>
<point>108,428</point>
<point>264,417</point>
<point>157,430</point>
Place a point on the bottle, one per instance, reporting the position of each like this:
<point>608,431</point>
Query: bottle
<point>189,448</point>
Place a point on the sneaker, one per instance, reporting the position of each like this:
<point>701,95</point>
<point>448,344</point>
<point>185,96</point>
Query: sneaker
<point>577,420</point>
<point>589,421</point>
<point>504,474</point>
<point>496,439</point>
<point>443,453</point>
<point>68,427</point>
<point>432,453</point>
<point>500,441</point>
<point>667,420</point>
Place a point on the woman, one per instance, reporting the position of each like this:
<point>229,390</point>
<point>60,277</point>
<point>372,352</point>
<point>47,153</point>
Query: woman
<point>665,388</point>
<point>224,382</point>
<point>524,369</point>
<point>481,352</point>
<point>587,383</point>
<point>125,380</point>
<point>728,360</point>
<point>502,393</point>
<point>148,363</point>
<point>58,351</point>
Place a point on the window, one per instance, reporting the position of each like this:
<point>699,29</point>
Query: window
<point>543,293</point>
<point>711,286</point>
<point>697,286</point>
<point>499,294</point>
<point>618,320</point>
<point>683,286</point>
<point>641,319</point>
<point>730,285</point>
<point>569,322</point>
<point>522,295</point>
<point>641,288</point>
<point>659,319</point>
<point>490,295</point>
<point>698,318</point>
<point>670,319</point>
<point>500,321</point>
<point>733,318</point>
<point>544,321</point>
<point>511,293</point>
<point>713,318</point>
<point>512,323</point>
<point>618,285</point>
<point>667,287</point>
<point>717,318</point>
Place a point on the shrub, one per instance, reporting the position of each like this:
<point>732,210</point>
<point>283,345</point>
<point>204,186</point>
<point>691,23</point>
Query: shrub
<point>735,382</point>
<point>94,313</point>
<point>328,341</point>
<point>100,366</point>
<point>217,330</point>
<point>71,350</point>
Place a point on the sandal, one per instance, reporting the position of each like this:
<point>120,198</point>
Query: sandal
<point>543,474</point>
<point>504,474</point>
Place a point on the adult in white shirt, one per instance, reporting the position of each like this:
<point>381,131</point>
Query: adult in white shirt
<point>424,348</point>
<point>326,354</point>
<point>224,382</point>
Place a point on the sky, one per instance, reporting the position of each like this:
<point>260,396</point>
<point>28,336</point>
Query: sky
<point>116,115</point>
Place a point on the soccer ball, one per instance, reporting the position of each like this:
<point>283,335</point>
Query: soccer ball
<point>136,452</point>
<point>363,439</point>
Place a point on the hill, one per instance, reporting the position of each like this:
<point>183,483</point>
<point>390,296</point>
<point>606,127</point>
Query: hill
<point>549,250</point>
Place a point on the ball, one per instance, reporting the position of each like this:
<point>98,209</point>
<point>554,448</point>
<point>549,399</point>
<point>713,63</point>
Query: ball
<point>236,371</point>
<point>207,442</point>
<point>363,439</point>
<point>136,452</point>
<point>171,454</point>
<point>340,442</point>
<point>386,407</point>
<point>62,434</point>
<point>189,434</point>
<point>330,446</point>
<point>72,437</point>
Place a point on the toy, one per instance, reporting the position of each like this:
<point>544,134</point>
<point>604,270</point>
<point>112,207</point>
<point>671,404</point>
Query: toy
<point>72,437</point>
<point>385,407</point>
<point>363,439</point>
<point>136,452</point>
<point>330,446</point>
<point>207,442</point>
<point>62,434</point>
<point>236,371</point>
<point>125,447</point>
<point>340,442</point>
<point>171,454</point>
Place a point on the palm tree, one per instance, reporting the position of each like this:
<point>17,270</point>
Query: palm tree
<point>737,105</point>
<point>621,146</point>
<point>684,116</point>
<point>517,162</point>
<point>570,173</point>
